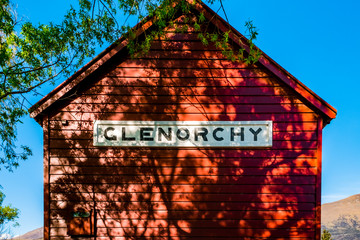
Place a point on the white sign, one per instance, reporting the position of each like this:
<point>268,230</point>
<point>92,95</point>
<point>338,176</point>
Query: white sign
<point>183,134</point>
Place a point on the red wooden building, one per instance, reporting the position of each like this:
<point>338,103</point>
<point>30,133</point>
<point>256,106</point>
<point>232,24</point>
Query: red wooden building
<point>185,192</point>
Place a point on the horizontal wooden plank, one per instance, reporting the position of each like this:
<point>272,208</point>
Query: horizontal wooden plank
<point>196,237</point>
<point>181,188</point>
<point>184,162</point>
<point>187,197</point>
<point>185,108</point>
<point>146,65</point>
<point>181,45</point>
<point>179,172</point>
<point>180,152</point>
<point>190,81</point>
<point>115,179</point>
<point>197,55</point>
<point>225,100</point>
<point>184,71</point>
<point>261,224</point>
<point>190,44</point>
<point>239,180</point>
<point>279,127</point>
<point>88,143</point>
<point>179,36</point>
<point>202,206</point>
<point>160,232</point>
<point>193,214</point>
<point>209,91</point>
<point>179,63</point>
<point>297,150</point>
<point>297,127</point>
<point>182,32</point>
<point>186,53</point>
<point>284,117</point>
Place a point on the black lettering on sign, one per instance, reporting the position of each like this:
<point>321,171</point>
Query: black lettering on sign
<point>145,134</point>
<point>217,138</point>
<point>123,135</point>
<point>168,135</point>
<point>233,134</point>
<point>255,133</point>
<point>183,138</point>
<point>107,137</point>
<point>203,132</point>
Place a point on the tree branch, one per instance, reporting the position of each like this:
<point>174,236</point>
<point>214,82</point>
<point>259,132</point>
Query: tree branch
<point>110,13</point>
<point>222,6</point>
<point>29,89</point>
<point>32,69</point>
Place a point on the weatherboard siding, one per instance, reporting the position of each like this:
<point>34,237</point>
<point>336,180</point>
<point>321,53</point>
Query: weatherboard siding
<point>185,193</point>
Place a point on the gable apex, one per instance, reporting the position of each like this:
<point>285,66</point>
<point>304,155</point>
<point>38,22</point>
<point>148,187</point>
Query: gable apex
<point>119,47</point>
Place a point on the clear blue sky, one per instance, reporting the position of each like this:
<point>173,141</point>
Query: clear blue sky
<point>316,41</point>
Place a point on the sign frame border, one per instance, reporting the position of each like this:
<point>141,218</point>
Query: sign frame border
<point>269,123</point>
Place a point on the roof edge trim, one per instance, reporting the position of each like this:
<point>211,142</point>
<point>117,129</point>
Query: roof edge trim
<point>142,26</point>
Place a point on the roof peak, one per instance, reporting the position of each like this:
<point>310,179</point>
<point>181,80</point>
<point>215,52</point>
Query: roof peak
<point>326,110</point>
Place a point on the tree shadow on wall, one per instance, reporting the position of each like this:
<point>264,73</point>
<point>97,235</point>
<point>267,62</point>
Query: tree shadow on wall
<point>185,193</point>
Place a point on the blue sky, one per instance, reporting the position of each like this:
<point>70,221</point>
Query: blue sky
<point>316,41</point>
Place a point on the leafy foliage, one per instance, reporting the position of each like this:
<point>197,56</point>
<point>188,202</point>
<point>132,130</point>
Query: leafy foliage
<point>32,55</point>
<point>7,213</point>
<point>326,235</point>
<point>35,55</point>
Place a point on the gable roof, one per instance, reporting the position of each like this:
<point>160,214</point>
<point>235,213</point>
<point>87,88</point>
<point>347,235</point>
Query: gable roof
<point>326,110</point>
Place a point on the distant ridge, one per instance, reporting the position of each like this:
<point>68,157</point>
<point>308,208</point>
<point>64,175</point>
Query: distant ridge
<point>347,206</point>
<point>342,218</point>
<point>36,234</point>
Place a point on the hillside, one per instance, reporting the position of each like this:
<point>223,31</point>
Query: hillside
<point>342,218</point>
<point>36,234</point>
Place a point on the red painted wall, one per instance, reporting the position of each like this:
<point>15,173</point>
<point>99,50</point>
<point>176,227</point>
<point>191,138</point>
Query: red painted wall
<point>184,193</point>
